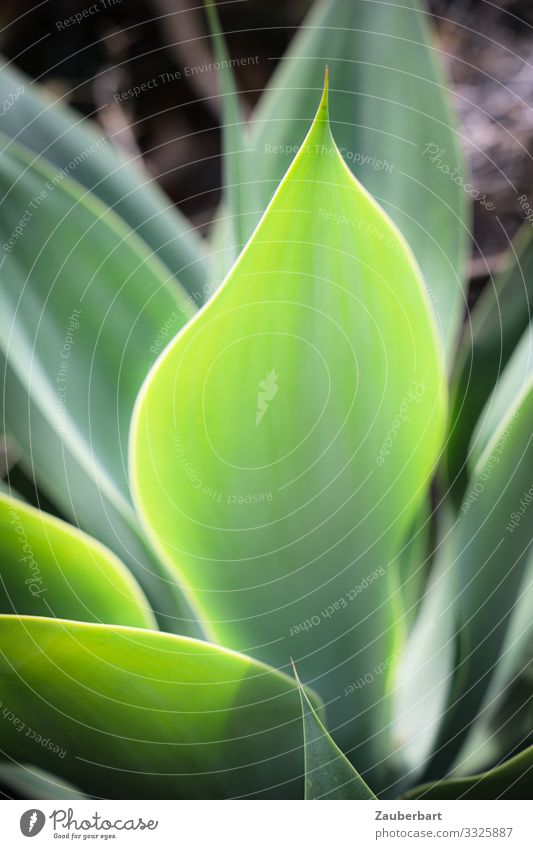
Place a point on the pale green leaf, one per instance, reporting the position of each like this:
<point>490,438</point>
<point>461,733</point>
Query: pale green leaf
<point>79,148</point>
<point>392,122</point>
<point>489,551</point>
<point>424,673</point>
<point>514,382</point>
<point>84,310</point>
<point>500,723</point>
<point>241,196</point>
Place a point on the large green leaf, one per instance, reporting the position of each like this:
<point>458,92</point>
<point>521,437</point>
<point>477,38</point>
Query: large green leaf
<point>49,568</point>
<point>499,319</point>
<point>489,550</point>
<point>393,124</point>
<point>510,780</point>
<point>328,773</point>
<point>76,147</point>
<point>142,714</point>
<point>283,443</point>
<point>241,195</point>
<point>84,307</point>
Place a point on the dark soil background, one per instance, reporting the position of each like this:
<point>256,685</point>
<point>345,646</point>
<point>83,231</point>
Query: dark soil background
<point>486,47</point>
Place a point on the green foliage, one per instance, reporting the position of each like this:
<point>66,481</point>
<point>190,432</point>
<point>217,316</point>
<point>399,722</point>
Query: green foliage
<point>73,146</point>
<point>262,473</point>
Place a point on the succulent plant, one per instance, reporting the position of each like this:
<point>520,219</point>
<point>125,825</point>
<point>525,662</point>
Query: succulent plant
<point>279,445</point>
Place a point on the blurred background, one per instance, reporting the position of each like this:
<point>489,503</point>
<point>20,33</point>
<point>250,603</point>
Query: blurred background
<point>487,50</point>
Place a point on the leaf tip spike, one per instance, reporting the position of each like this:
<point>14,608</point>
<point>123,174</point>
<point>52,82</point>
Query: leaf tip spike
<point>297,677</point>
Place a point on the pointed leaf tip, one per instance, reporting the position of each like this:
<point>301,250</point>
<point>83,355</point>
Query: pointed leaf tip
<point>323,109</point>
<point>342,31</point>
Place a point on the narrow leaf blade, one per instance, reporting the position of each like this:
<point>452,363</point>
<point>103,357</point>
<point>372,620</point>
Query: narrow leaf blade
<point>85,308</point>
<point>489,551</point>
<point>141,714</point>
<point>27,782</point>
<point>496,326</point>
<point>328,773</point>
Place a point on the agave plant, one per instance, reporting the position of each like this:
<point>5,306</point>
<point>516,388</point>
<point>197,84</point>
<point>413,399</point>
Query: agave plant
<point>314,463</point>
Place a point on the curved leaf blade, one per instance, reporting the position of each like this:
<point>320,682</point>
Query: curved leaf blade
<point>424,673</point>
<point>505,719</point>
<point>238,176</point>
<point>144,714</point>
<point>50,568</point>
<point>513,384</point>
